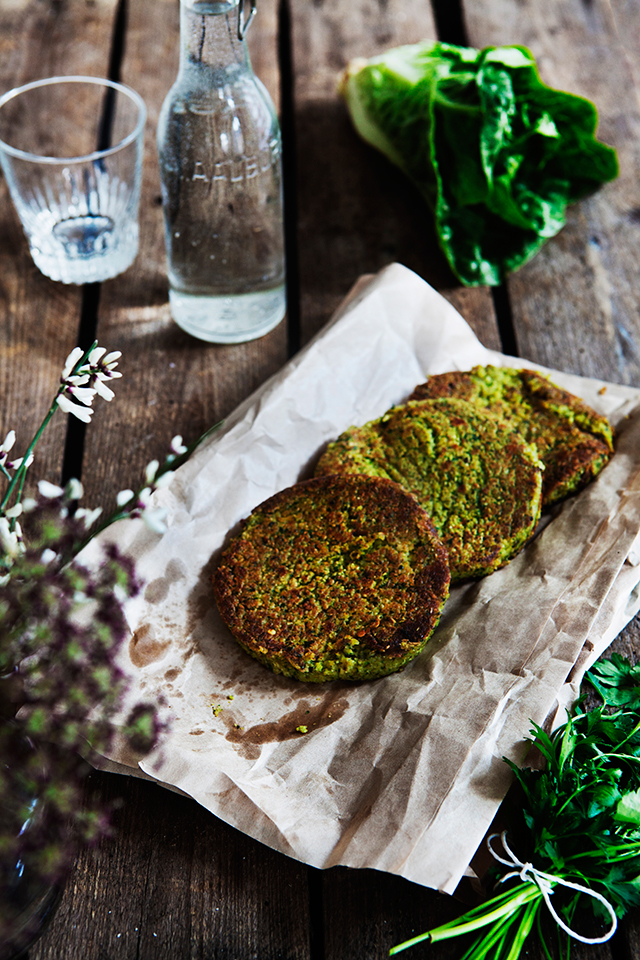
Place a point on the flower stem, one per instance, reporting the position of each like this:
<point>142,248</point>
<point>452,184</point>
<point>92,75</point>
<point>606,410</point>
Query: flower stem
<point>19,476</point>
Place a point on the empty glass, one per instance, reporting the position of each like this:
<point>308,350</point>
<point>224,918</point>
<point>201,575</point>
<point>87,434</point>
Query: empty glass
<point>71,152</point>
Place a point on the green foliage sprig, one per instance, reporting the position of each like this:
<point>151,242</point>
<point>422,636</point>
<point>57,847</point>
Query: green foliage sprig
<point>577,820</point>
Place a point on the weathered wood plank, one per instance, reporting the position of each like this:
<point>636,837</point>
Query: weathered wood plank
<point>575,305</point>
<point>38,318</point>
<point>178,882</point>
<point>356,213</point>
<point>367,913</point>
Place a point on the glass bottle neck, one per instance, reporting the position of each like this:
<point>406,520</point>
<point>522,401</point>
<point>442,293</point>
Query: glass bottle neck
<point>209,36</point>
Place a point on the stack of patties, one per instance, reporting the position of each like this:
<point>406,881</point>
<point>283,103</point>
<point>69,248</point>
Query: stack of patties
<point>345,576</point>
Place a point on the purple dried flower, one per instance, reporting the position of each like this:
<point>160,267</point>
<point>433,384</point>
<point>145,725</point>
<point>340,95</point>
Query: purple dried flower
<point>57,666</point>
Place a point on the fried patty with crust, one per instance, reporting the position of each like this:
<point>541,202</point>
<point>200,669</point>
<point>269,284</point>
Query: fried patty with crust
<point>334,578</point>
<point>476,477</point>
<point>573,441</point>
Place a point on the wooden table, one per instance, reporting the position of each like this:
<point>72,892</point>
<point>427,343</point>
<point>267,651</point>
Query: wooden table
<point>175,882</point>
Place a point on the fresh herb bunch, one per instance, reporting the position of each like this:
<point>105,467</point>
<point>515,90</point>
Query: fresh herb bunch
<point>573,839</point>
<point>617,682</point>
<point>61,627</point>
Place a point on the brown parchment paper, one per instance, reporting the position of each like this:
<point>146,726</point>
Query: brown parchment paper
<point>402,774</point>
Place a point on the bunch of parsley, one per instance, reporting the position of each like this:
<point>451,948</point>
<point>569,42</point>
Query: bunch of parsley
<point>577,820</point>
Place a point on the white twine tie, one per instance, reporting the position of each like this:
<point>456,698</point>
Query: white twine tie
<point>545,883</point>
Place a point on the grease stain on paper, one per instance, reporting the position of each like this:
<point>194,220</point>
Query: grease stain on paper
<point>157,590</point>
<point>307,714</point>
<point>144,648</point>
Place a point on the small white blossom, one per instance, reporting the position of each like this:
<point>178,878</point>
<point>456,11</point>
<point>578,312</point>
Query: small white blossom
<point>74,490</point>
<point>49,490</point>
<point>88,380</point>
<point>102,389</point>
<point>83,394</point>
<point>5,447</point>
<point>15,464</point>
<point>164,480</point>
<point>123,497</point>
<point>9,539</point>
<point>95,354</point>
<point>78,380</point>
<point>110,360</point>
<point>89,516</point>
<point>14,511</point>
<point>177,445</point>
<point>154,520</point>
<point>103,368</point>
<point>47,556</point>
<point>5,579</point>
<point>29,504</point>
<point>144,497</point>
<point>82,413</point>
<point>9,441</point>
<point>150,471</point>
<point>71,361</point>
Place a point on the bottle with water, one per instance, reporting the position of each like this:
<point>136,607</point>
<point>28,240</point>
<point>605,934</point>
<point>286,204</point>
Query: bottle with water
<point>219,149</point>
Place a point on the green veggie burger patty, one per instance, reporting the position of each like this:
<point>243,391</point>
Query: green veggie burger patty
<point>476,477</point>
<point>334,578</point>
<point>573,441</point>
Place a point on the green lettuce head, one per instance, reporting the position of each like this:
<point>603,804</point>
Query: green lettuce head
<point>497,153</point>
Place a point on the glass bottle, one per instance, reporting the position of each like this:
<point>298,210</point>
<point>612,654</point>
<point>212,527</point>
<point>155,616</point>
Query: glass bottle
<point>220,166</point>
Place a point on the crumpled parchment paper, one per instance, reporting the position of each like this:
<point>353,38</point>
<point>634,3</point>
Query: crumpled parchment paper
<point>402,774</point>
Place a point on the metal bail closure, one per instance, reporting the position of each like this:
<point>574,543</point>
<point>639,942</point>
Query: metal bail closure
<point>243,25</point>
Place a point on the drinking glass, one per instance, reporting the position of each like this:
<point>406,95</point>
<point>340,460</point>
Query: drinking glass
<point>71,152</point>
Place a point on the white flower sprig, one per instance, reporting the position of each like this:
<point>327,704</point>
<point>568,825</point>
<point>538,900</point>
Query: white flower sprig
<point>5,464</point>
<point>138,504</point>
<point>85,375</point>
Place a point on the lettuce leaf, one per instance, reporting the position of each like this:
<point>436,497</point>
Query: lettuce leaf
<point>497,154</point>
